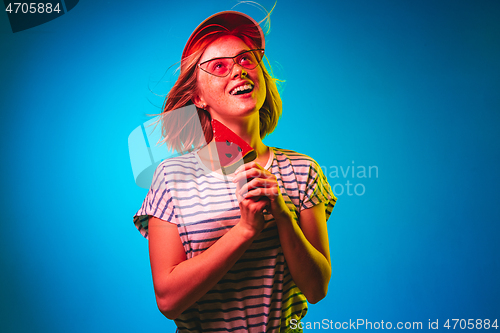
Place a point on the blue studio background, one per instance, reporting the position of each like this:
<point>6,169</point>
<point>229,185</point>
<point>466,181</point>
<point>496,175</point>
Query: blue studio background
<point>410,89</point>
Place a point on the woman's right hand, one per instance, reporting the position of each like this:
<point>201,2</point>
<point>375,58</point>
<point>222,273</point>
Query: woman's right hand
<point>252,209</point>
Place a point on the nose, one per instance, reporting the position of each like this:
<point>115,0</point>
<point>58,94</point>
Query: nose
<point>239,70</point>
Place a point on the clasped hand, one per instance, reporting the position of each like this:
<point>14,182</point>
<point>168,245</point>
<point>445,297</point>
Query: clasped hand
<point>258,189</point>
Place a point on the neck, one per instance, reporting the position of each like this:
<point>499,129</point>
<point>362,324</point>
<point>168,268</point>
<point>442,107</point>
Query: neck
<point>249,130</point>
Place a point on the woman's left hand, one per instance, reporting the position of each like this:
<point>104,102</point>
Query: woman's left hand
<point>255,181</point>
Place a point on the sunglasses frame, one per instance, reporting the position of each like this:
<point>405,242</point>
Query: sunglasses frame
<point>234,62</point>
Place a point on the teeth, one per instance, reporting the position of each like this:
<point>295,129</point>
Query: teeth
<point>240,88</point>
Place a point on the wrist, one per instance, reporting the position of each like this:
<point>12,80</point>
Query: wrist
<point>245,232</point>
<point>283,215</point>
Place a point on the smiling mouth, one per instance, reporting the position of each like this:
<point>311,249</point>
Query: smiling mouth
<point>244,89</point>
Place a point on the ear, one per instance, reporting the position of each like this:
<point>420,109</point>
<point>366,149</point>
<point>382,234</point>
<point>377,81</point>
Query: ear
<point>199,102</point>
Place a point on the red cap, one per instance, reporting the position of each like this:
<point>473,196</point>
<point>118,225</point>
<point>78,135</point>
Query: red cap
<point>229,20</point>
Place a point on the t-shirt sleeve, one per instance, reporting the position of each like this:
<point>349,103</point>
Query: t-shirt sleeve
<point>318,190</point>
<point>158,203</point>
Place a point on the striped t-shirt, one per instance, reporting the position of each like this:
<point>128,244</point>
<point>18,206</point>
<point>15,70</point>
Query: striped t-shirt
<point>258,294</point>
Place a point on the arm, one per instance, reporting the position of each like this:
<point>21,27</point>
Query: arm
<point>306,247</point>
<point>178,282</point>
<point>306,251</point>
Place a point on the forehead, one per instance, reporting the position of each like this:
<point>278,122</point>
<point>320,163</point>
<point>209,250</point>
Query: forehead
<point>225,46</point>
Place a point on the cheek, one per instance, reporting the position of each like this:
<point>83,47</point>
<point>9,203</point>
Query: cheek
<point>262,89</point>
<point>211,88</point>
<point>260,78</point>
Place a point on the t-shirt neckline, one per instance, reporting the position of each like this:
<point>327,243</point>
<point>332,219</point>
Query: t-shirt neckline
<point>230,177</point>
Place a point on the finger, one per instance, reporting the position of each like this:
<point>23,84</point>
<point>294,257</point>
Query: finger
<point>247,166</point>
<point>239,193</point>
<point>270,193</point>
<point>256,204</point>
<point>253,194</point>
<point>251,174</point>
<point>269,182</point>
<point>246,174</point>
<point>256,183</point>
<point>242,190</point>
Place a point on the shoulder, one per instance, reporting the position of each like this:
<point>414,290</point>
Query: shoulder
<point>176,168</point>
<point>294,159</point>
<point>183,164</point>
<point>185,160</point>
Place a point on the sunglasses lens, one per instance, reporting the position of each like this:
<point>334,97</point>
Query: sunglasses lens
<point>249,59</point>
<point>218,67</point>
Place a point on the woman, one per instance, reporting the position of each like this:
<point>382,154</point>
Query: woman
<point>241,252</point>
